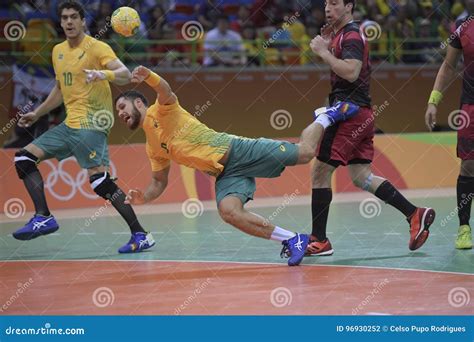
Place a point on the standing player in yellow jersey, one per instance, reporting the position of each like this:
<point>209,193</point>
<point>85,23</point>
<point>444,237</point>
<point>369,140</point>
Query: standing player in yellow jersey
<point>84,67</point>
<point>174,134</point>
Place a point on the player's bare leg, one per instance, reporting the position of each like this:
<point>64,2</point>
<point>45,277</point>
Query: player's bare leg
<point>232,211</point>
<point>321,178</point>
<point>363,178</point>
<point>309,141</point>
<point>312,134</point>
<point>420,219</point>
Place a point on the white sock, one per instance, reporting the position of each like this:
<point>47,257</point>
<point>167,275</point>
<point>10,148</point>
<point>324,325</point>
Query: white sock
<point>320,110</point>
<point>323,120</point>
<point>280,234</point>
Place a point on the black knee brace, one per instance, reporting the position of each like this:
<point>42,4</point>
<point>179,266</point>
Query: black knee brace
<point>25,163</point>
<point>103,185</point>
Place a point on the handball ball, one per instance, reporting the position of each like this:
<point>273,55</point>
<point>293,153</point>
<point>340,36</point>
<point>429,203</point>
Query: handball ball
<point>125,21</point>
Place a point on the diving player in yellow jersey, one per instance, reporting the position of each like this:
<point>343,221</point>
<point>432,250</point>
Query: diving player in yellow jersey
<point>84,67</point>
<point>174,134</point>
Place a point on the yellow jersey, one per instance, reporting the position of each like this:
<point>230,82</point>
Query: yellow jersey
<point>88,106</point>
<point>172,133</point>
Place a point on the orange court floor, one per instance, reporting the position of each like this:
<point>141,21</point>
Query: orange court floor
<point>202,266</point>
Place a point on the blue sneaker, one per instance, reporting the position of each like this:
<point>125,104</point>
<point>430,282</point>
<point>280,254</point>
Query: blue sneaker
<point>37,226</point>
<point>295,248</point>
<point>341,111</point>
<point>138,242</point>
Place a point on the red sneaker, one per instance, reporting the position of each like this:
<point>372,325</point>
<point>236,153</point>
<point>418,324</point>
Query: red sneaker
<point>420,222</point>
<point>318,248</point>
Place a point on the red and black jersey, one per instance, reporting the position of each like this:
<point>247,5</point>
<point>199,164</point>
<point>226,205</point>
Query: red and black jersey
<point>464,39</point>
<point>349,43</point>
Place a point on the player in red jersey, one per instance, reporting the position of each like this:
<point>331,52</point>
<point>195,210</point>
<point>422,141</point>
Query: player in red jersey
<point>461,42</point>
<point>350,143</point>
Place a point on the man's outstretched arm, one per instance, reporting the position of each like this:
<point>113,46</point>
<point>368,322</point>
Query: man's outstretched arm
<point>54,100</point>
<point>158,184</point>
<point>159,85</point>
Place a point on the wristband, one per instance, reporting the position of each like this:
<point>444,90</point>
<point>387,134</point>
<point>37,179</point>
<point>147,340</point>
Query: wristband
<point>435,97</point>
<point>153,79</point>
<point>109,75</point>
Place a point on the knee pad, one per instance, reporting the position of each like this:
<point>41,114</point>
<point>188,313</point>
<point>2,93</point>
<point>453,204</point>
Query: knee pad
<point>103,185</point>
<point>25,163</point>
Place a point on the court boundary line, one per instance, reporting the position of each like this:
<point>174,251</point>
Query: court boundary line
<point>243,263</point>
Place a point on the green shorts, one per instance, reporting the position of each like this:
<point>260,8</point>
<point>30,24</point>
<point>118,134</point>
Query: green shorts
<point>87,145</point>
<point>251,158</point>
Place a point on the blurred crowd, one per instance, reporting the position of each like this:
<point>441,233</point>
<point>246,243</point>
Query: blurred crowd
<point>257,32</point>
